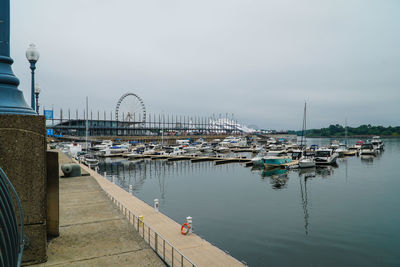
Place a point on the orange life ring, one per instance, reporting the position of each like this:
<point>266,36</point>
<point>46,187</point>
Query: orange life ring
<point>185,226</point>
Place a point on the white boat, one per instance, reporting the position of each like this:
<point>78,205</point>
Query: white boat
<point>205,148</point>
<point>334,144</point>
<point>232,141</point>
<point>325,156</point>
<point>222,149</point>
<point>177,151</point>
<point>367,149</point>
<point>377,143</point>
<point>342,150</point>
<point>104,144</point>
<point>307,162</point>
<point>190,149</point>
<point>359,144</point>
<point>114,150</point>
<point>72,149</point>
<point>352,151</point>
<point>90,160</point>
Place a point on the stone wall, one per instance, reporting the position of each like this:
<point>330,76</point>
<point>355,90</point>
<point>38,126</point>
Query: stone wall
<point>23,159</point>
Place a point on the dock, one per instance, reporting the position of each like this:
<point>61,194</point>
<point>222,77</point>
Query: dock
<point>192,158</point>
<point>162,233</point>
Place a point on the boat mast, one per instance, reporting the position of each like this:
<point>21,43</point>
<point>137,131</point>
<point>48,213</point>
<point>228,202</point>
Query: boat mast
<point>87,126</point>
<point>345,131</point>
<point>304,128</point>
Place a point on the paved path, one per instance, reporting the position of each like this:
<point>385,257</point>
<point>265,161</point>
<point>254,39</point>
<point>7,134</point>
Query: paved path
<point>93,232</point>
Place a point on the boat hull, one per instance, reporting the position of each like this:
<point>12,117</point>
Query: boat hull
<point>277,161</point>
<point>306,163</point>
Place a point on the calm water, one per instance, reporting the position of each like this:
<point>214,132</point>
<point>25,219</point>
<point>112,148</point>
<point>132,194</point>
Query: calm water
<point>340,216</point>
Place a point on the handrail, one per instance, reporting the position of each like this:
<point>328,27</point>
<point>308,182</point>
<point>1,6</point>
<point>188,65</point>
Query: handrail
<point>10,222</point>
<point>141,223</point>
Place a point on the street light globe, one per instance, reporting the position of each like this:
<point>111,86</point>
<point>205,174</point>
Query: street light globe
<point>37,89</point>
<point>32,54</point>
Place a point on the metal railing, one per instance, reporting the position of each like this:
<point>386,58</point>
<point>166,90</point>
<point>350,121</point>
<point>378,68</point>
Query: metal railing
<point>167,252</point>
<point>11,238</point>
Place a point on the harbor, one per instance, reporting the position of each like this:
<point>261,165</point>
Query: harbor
<point>176,181</point>
<point>286,206</point>
<point>199,134</point>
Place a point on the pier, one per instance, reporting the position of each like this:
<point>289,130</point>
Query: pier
<point>216,159</point>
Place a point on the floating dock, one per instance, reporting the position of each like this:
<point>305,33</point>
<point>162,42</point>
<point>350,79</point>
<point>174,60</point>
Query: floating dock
<point>192,158</point>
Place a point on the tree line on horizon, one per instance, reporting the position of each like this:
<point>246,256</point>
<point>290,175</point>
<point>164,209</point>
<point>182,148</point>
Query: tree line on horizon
<point>339,131</point>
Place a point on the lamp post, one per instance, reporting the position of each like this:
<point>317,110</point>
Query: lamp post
<point>11,99</point>
<point>37,92</point>
<point>32,55</point>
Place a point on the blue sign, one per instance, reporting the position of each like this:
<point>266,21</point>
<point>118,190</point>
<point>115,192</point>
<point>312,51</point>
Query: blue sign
<point>48,114</point>
<point>50,132</point>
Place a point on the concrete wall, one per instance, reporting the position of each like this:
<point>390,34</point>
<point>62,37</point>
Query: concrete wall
<point>23,159</point>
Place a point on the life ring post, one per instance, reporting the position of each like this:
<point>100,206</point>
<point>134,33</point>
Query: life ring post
<point>156,205</point>
<point>189,221</point>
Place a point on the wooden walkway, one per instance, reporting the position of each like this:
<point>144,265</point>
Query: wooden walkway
<point>217,160</point>
<point>197,250</point>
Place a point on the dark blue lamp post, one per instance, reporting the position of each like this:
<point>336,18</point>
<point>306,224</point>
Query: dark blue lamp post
<point>32,55</point>
<point>11,99</point>
<point>37,92</point>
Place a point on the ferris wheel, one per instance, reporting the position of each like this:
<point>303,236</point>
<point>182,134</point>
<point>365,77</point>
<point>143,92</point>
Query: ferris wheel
<point>130,108</point>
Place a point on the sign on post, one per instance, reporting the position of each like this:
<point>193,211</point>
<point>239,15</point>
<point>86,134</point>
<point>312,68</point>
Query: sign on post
<point>48,114</point>
<point>50,132</point>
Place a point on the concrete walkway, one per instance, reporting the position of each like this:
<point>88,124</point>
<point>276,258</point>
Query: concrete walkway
<point>92,231</point>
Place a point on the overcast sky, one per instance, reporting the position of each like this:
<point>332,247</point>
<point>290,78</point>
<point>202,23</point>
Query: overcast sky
<point>258,59</point>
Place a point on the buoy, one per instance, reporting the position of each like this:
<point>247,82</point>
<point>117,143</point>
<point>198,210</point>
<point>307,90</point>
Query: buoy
<point>185,226</point>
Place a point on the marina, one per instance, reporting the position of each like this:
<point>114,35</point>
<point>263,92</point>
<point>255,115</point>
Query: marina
<point>142,133</point>
<point>178,182</point>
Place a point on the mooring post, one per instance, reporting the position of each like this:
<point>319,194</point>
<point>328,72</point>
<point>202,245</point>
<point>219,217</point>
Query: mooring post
<point>189,221</point>
<point>156,205</point>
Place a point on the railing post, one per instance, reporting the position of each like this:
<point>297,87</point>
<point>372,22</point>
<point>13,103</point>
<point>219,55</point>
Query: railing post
<point>172,256</point>
<point>164,249</point>
<point>156,242</point>
<point>181,260</point>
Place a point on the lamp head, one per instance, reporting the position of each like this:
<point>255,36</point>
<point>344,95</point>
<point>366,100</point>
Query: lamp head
<point>32,55</point>
<point>37,89</point>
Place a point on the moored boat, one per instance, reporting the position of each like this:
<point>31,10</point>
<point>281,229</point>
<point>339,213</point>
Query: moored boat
<point>276,158</point>
<point>307,162</point>
<point>367,149</point>
<point>325,156</point>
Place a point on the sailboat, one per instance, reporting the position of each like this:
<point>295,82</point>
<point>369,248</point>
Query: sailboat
<point>304,161</point>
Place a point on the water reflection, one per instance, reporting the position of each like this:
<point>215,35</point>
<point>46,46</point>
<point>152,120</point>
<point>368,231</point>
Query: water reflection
<point>304,175</point>
<point>367,159</point>
<point>278,177</point>
<point>135,172</point>
<point>325,171</point>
